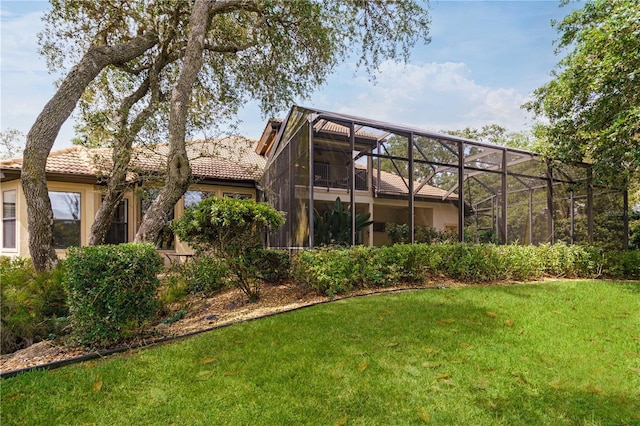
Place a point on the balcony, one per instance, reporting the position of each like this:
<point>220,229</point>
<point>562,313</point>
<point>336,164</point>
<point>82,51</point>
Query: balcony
<point>330,176</point>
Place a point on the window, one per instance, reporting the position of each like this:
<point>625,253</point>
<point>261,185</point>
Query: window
<point>9,219</point>
<point>66,218</point>
<point>237,195</point>
<point>166,240</point>
<point>118,232</point>
<point>191,198</point>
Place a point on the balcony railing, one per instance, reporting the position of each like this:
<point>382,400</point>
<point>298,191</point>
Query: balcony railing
<point>330,176</point>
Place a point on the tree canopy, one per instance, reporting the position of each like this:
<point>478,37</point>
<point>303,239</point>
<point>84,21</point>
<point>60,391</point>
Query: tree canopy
<point>593,101</point>
<point>212,56</point>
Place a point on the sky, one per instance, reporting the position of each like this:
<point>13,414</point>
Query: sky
<point>484,61</point>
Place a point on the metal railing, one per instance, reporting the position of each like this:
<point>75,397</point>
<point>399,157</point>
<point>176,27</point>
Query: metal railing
<point>331,176</point>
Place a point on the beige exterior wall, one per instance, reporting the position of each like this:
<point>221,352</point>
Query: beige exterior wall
<point>90,200</point>
<point>440,216</point>
<point>21,221</point>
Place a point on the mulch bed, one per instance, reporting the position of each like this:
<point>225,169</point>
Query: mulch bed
<point>229,306</point>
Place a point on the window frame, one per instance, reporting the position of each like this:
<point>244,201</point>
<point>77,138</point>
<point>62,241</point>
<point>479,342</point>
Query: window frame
<point>191,191</point>
<point>66,220</point>
<point>111,229</point>
<point>237,195</point>
<point>9,219</point>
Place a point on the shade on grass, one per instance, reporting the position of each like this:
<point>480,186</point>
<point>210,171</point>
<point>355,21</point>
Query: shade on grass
<point>549,353</point>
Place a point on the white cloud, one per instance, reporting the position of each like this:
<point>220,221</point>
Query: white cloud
<point>20,42</point>
<point>437,96</point>
<point>26,85</point>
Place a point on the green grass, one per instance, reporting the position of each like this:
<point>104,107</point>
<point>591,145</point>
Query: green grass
<point>551,353</point>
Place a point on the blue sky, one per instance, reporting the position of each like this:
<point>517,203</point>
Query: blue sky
<point>484,61</point>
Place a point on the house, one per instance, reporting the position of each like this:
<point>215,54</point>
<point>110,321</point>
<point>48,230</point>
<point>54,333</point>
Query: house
<point>302,164</point>
<point>76,182</point>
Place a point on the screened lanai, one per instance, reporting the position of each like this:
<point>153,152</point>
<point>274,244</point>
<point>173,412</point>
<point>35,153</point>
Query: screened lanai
<point>400,175</point>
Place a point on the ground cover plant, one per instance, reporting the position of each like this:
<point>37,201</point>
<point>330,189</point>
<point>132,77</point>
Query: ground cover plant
<point>551,353</point>
<point>32,304</point>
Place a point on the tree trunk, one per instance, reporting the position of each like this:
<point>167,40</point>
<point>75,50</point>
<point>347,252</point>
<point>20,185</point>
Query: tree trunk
<point>178,168</point>
<point>43,134</point>
<point>115,191</point>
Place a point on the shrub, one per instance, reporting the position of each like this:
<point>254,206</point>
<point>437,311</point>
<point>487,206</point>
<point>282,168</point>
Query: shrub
<point>334,271</point>
<point>329,271</point>
<point>112,291</point>
<point>32,304</point>
<point>272,266</point>
<point>399,234</point>
<point>333,227</point>
<point>575,261</point>
<point>205,274</point>
<point>231,229</point>
<point>622,264</point>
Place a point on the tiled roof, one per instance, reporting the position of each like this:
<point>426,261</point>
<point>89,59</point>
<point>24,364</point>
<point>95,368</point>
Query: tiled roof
<point>75,160</point>
<point>331,127</point>
<point>393,184</point>
<point>226,159</point>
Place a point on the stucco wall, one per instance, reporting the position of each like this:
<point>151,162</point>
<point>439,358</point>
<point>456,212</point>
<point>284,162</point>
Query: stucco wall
<point>90,199</point>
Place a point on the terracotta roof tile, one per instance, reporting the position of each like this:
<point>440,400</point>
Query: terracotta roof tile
<point>394,184</point>
<point>226,159</point>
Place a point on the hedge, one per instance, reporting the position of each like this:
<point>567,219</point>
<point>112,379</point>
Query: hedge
<point>334,271</point>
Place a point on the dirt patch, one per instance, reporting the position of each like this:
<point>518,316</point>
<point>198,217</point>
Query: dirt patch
<point>200,313</point>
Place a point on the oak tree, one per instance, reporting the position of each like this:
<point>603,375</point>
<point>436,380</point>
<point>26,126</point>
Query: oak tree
<point>592,102</point>
<point>208,54</point>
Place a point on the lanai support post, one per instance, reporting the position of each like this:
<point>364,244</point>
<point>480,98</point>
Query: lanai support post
<point>625,218</point>
<point>504,197</point>
<point>571,218</point>
<point>352,182</point>
<point>411,195</point>
<point>477,225</point>
<point>550,226</point>
<point>312,173</point>
<point>460,191</point>
<point>590,204</point>
<point>530,216</point>
<point>378,172</point>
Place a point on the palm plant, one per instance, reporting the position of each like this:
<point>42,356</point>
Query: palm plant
<point>333,227</point>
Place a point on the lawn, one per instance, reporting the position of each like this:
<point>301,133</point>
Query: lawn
<point>548,353</point>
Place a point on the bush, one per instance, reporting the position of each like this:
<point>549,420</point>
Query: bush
<point>399,234</point>
<point>621,264</point>
<point>334,271</point>
<point>205,274</point>
<point>173,289</point>
<point>231,229</point>
<point>272,266</point>
<point>328,271</point>
<point>32,304</point>
<point>112,291</point>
